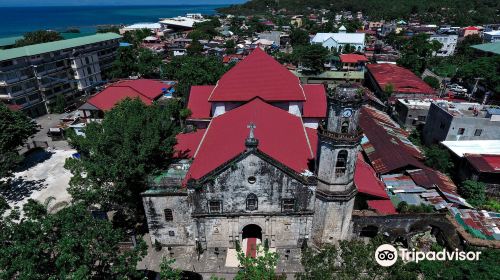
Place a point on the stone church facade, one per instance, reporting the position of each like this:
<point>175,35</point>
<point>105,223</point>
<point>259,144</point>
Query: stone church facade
<point>257,171</point>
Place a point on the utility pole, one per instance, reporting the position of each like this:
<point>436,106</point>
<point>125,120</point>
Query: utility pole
<point>475,88</point>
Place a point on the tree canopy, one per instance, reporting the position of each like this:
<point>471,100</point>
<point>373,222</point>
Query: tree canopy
<point>37,37</point>
<point>416,52</point>
<point>312,57</point>
<point>15,129</point>
<point>133,141</point>
<point>69,244</point>
<point>194,70</point>
<point>133,61</point>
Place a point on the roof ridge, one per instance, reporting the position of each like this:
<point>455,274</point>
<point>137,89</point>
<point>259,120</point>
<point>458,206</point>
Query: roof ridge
<point>202,139</point>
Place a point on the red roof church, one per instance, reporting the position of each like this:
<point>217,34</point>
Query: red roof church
<point>258,76</point>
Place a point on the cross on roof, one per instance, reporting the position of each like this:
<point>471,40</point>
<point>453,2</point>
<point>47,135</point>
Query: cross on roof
<point>252,126</point>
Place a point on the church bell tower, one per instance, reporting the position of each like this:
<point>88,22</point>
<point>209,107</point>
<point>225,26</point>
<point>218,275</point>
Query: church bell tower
<point>339,137</point>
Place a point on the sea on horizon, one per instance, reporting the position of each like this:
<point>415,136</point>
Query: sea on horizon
<point>15,21</point>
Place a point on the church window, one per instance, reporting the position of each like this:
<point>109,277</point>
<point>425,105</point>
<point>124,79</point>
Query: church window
<point>288,205</point>
<point>345,127</point>
<point>171,233</point>
<point>215,206</point>
<point>168,215</point>
<point>340,166</point>
<point>252,179</point>
<point>252,202</point>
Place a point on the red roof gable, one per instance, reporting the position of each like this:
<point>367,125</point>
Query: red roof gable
<point>352,58</point>
<point>145,90</point>
<point>258,75</point>
<point>402,79</point>
<point>366,180</point>
<point>281,136</point>
<point>315,105</point>
<point>187,143</point>
<point>429,178</point>
<point>149,88</point>
<point>382,206</point>
<point>198,102</point>
<point>484,163</point>
<point>108,98</point>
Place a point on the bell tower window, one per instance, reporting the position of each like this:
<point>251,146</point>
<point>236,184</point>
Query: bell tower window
<point>345,127</point>
<point>341,164</point>
<point>252,202</point>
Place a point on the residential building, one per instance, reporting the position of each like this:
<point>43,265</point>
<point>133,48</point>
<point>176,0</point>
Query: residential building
<point>492,36</point>
<point>411,113</point>
<point>339,41</point>
<point>272,36</point>
<point>181,23</point>
<point>461,121</point>
<point>449,43</point>
<point>481,167</point>
<point>400,81</point>
<point>470,30</point>
<point>31,77</point>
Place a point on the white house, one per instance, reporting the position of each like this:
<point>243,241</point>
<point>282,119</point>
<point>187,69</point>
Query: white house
<point>338,41</point>
<point>492,36</point>
<point>449,43</point>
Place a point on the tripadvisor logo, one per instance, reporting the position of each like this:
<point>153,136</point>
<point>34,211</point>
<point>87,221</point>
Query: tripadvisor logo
<point>387,255</point>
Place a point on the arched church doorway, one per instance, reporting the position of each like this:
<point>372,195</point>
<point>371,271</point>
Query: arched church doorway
<point>252,231</point>
<point>252,237</point>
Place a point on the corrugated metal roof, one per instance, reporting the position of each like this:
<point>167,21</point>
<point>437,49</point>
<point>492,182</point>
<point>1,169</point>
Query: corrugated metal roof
<point>489,47</point>
<point>57,45</point>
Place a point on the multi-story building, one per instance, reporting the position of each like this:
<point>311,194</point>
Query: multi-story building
<point>339,41</point>
<point>492,36</point>
<point>461,121</point>
<point>449,43</point>
<point>32,77</point>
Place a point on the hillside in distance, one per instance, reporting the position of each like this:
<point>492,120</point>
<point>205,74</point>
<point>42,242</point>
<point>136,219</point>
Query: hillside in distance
<point>455,12</point>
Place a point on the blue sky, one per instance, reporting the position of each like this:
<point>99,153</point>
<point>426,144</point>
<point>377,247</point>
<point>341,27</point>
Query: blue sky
<point>10,3</point>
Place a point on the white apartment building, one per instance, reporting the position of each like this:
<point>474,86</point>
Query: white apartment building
<point>31,77</point>
<point>449,44</point>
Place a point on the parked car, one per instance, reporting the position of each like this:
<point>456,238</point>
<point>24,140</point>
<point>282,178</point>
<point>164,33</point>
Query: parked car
<point>457,88</point>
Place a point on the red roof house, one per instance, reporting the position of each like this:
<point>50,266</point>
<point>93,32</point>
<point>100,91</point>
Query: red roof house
<point>146,90</point>
<point>404,82</point>
<point>352,58</point>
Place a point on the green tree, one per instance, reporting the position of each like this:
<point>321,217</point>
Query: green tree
<point>482,67</point>
<point>432,81</point>
<point>125,64</point>
<point>195,48</point>
<point>230,46</point>
<point>299,37</point>
<point>474,192</point>
<point>312,57</point>
<point>194,70</point>
<point>438,158</point>
<point>133,141</point>
<point>15,129</point>
<point>59,105</point>
<point>417,51</point>
<point>148,64</point>
<point>69,244</point>
<point>260,267</point>
<point>37,37</point>
<point>108,29</point>
<point>167,272</point>
<point>135,37</point>
<point>388,91</point>
<point>353,260</point>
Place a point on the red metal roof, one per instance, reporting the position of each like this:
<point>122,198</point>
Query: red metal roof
<point>484,163</point>
<point>258,75</point>
<point>402,79</point>
<point>382,206</point>
<point>352,58</point>
<point>198,102</point>
<point>187,143</point>
<point>366,180</point>
<point>471,28</point>
<point>145,90</point>
<point>315,105</point>
<point>281,136</point>
<point>108,98</point>
<point>387,147</point>
<point>428,178</point>
<point>149,88</point>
